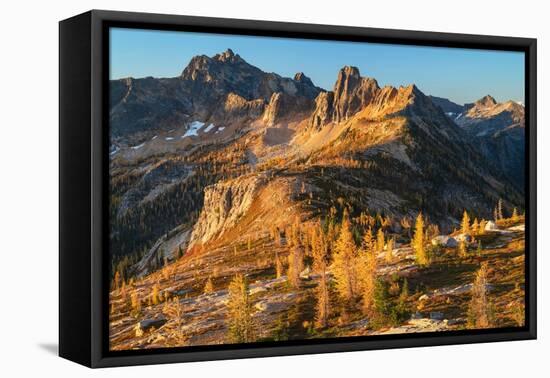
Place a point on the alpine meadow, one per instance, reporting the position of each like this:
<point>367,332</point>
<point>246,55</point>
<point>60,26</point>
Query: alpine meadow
<point>247,206</point>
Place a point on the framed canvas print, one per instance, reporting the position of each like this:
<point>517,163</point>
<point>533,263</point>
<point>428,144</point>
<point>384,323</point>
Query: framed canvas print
<point>233,188</point>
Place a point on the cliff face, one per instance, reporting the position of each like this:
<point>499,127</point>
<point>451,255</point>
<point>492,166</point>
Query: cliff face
<point>352,93</point>
<point>237,108</point>
<point>323,110</point>
<point>224,204</point>
<point>283,106</point>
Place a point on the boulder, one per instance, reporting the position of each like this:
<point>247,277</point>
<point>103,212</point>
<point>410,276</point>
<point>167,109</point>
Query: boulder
<point>305,274</point>
<point>444,241</point>
<point>491,226</point>
<point>148,324</point>
<point>458,321</point>
<point>463,238</point>
<point>435,315</point>
<point>256,290</point>
<point>521,227</point>
<point>271,307</point>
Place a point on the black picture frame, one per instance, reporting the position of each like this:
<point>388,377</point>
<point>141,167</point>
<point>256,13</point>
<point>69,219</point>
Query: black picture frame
<point>83,167</point>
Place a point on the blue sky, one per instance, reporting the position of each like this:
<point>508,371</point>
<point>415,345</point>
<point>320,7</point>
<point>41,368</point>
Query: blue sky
<point>462,75</point>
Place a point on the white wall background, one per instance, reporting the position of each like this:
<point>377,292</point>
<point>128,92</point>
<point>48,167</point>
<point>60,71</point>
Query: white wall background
<point>29,186</point>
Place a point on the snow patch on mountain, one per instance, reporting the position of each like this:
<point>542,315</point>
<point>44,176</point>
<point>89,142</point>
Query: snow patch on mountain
<point>193,129</point>
<point>209,128</point>
<point>138,146</point>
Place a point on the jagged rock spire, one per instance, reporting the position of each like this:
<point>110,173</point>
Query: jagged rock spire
<point>302,78</point>
<point>228,56</point>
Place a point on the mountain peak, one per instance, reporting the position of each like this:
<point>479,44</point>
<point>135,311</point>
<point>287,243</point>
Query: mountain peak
<point>348,71</point>
<point>302,78</point>
<point>486,101</point>
<point>351,93</point>
<point>204,68</point>
<point>227,56</point>
<point>412,89</point>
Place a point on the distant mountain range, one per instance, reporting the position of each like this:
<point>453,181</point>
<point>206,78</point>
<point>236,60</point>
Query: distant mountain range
<point>498,129</point>
<point>227,150</point>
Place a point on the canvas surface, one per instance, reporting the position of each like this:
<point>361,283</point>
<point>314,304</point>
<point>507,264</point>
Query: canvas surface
<point>268,189</point>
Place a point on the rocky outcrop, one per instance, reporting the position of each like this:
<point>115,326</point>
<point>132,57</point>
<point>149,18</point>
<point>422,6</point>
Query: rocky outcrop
<point>323,110</point>
<point>236,107</point>
<point>300,77</point>
<point>147,325</point>
<point>491,226</point>
<point>352,93</point>
<point>165,249</point>
<point>444,241</point>
<point>224,204</point>
<point>282,105</point>
<point>275,108</point>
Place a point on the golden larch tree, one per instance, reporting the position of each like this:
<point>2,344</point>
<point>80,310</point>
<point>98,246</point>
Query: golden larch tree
<point>295,265</point>
<point>479,311</point>
<point>278,265</point>
<point>389,250</point>
<point>208,286</point>
<point>155,294</point>
<point>367,272</point>
<point>475,227</point>
<point>135,303</point>
<point>515,216</point>
<point>462,248</point>
<point>344,261</point>
<point>465,223</point>
<point>116,280</point>
<point>239,311</point>
<point>319,248</point>
<point>368,242</point>
<point>174,311</point>
<point>380,240</point>
<point>418,241</point>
